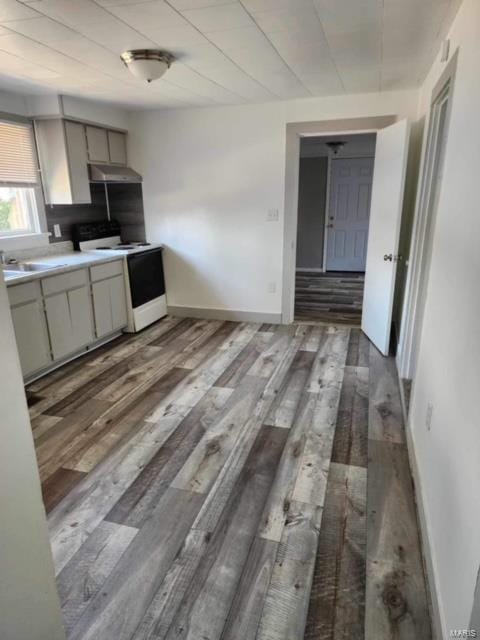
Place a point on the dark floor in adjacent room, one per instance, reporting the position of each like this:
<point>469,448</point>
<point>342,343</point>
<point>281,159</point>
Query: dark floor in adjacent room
<point>210,480</point>
<point>333,296</point>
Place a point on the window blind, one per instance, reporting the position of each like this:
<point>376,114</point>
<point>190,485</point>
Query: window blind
<point>18,166</point>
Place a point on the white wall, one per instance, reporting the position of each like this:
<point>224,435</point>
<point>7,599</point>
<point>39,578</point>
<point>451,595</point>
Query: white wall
<point>29,607</point>
<point>448,372</point>
<point>210,178</point>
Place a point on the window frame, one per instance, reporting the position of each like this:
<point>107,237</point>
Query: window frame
<point>25,238</point>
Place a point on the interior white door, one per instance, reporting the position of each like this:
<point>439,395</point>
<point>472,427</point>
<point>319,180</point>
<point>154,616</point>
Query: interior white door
<point>348,213</point>
<point>383,237</point>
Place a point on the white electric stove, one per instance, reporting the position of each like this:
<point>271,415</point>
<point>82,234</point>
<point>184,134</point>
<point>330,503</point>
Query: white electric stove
<point>143,270</point>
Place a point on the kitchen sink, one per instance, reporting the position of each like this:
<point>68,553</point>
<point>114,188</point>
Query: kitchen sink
<point>29,266</point>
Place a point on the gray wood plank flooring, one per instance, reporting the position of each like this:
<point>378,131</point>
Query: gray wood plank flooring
<point>328,297</point>
<point>211,480</point>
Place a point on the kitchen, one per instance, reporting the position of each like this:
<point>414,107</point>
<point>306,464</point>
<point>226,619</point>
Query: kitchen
<point>105,278</point>
<point>181,457</point>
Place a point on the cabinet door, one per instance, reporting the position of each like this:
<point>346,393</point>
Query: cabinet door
<point>102,308</point>
<point>32,338</point>
<point>109,305</point>
<point>59,325</point>
<point>117,145</point>
<point>118,303</point>
<point>97,144</point>
<point>69,321</point>
<point>77,162</point>
<point>80,305</point>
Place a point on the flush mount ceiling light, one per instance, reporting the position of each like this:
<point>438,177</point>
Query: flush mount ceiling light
<point>335,146</point>
<point>147,64</point>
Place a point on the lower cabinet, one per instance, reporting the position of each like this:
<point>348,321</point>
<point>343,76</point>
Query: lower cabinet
<point>54,317</point>
<point>69,319</point>
<point>32,336</point>
<point>109,305</point>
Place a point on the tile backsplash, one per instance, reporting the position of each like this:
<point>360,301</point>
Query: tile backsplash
<point>126,206</point>
<point>68,214</point>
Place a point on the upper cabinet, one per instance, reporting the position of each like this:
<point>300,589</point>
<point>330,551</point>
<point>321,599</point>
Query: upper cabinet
<point>65,149</point>
<point>97,144</point>
<point>117,146</point>
<point>62,152</point>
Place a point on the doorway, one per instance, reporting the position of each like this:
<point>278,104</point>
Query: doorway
<point>424,226</point>
<point>335,185</point>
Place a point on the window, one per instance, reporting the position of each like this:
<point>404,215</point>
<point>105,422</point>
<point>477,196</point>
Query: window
<point>19,213</point>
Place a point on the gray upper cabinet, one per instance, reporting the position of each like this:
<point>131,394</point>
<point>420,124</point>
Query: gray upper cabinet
<point>77,153</point>
<point>65,148</point>
<point>117,147</point>
<point>97,144</point>
<point>63,160</point>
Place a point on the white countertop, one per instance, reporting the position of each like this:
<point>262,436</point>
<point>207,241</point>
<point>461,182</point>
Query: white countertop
<point>65,261</point>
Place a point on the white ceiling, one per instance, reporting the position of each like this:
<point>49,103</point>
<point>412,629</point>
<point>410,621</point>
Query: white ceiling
<point>228,51</point>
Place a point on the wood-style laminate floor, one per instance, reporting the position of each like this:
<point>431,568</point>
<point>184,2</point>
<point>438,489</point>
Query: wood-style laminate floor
<point>208,480</point>
<point>334,296</point>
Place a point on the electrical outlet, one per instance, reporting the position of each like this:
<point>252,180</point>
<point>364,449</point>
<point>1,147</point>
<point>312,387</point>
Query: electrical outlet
<point>272,287</point>
<point>57,231</point>
<point>429,416</point>
<point>272,215</point>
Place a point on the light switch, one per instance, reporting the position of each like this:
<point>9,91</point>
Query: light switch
<point>57,231</point>
<point>272,215</point>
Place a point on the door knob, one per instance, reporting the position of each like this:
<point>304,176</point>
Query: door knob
<point>388,257</point>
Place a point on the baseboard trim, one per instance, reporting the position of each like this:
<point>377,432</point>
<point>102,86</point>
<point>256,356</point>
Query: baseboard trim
<point>224,314</point>
<point>305,270</point>
<point>436,611</point>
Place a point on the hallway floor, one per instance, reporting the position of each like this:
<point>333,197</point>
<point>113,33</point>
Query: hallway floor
<point>334,296</point>
<point>208,480</point>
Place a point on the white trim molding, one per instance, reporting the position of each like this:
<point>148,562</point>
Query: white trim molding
<point>225,314</point>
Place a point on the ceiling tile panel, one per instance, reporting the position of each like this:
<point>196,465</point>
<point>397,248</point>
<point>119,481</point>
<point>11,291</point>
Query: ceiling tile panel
<point>116,36</point>
<point>339,16</point>
<point>324,83</point>
<point>13,10</point>
<point>42,30</point>
<point>13,65</point>
<point>182,76</point>
<point>73,13</point>
<point>255,6</point>
<point>218,18</point>
<point>183,5</point>
<point>156,14</point>
<point>242,38</point>
<point>178,40</point>
<point>284,84</point>
<point>294,19</point>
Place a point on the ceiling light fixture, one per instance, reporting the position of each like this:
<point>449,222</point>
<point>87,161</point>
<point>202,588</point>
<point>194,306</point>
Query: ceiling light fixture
<point>147,64</point>
<point>335,146</point>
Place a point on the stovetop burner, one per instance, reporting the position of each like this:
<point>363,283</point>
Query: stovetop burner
<point>102,248</point>
<point>120,247</point>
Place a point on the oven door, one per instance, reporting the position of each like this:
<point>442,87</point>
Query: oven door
<point>145,272</point>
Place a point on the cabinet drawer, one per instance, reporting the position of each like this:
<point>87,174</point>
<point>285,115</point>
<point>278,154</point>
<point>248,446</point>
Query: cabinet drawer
<point>20,293</point>
<point>64,281</point>
<point>108,270</point>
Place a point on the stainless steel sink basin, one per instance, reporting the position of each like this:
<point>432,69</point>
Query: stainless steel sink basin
<point>30,266</point>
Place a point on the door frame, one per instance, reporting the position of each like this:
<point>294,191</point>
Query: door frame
<point>294,132</point>
<point>423,228</point>
<point>327,200</point>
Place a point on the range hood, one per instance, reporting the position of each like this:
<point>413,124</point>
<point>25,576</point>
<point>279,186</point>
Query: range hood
<point>112,173</point>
